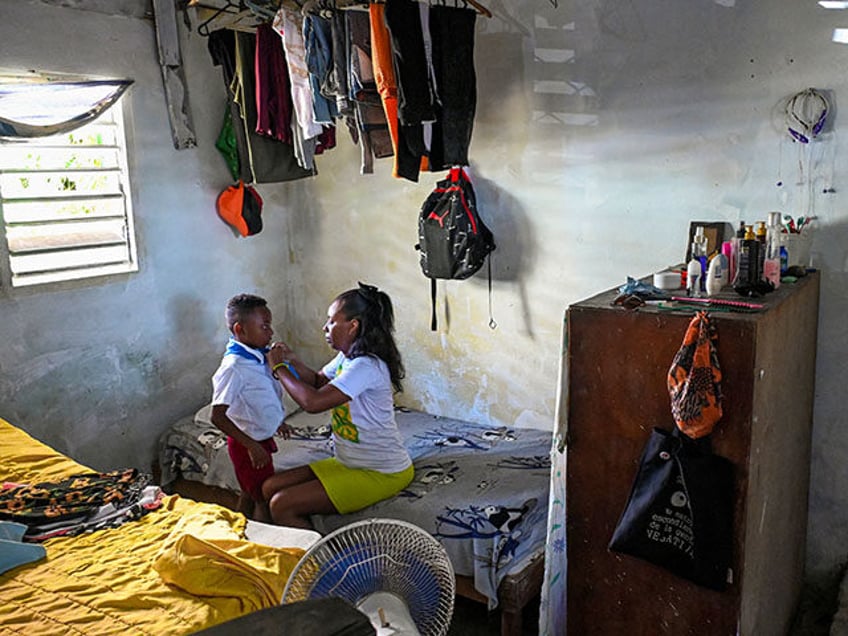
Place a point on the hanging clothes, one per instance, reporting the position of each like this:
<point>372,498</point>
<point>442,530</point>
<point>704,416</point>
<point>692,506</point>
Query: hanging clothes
<point>270,160</point>
<point>436,83</point>
<point>274,105</point>
<point>384,78</point>
<point>384,74</point>
<point>338,33</point>
<point>374,138</point>
<point>261,159</point>
<point>452,35</point>
<point>317,37</point>
<point>415,97</point>
<point>307,134</point>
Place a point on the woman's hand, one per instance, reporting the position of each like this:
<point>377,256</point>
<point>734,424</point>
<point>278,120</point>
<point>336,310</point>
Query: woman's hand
<point>280,352</point>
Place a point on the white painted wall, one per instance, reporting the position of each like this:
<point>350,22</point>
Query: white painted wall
<point>673,114</point>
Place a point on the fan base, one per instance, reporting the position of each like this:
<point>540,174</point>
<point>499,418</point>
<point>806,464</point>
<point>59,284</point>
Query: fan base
<point>388,614</point>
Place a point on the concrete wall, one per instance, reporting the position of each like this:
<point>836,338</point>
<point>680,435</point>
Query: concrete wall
<point>603,129</point>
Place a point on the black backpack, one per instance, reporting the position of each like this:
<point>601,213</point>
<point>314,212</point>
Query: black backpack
<point>452,238</point>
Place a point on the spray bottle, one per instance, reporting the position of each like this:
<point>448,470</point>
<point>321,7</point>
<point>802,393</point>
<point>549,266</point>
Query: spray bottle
<point>699,253</point>
<point>736,249</point>
<point>771,260</point>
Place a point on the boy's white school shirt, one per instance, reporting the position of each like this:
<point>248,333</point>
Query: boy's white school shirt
<point>244,383</point>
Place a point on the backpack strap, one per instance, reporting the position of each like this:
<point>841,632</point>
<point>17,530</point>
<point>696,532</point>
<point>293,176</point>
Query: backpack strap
<point>433,322</point>
<point>433,304</point>
<point>492,324</point>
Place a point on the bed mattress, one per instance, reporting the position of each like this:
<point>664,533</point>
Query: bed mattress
<point>482,491</point>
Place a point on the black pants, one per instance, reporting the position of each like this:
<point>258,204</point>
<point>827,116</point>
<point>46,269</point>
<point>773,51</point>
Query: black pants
<point>452,32</point>
<point>451,103</point>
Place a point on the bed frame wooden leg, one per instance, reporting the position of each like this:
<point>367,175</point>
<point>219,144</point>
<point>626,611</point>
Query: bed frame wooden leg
<point>511,623</point>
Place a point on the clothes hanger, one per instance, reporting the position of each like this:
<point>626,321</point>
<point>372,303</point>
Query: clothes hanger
<point>317,7</point>
<point>501,14</point>
<point>231,15</point>
<point>482,10</point>
<point>203,27</point>
<point>477,6</point>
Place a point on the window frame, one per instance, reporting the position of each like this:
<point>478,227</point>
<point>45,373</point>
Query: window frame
<point>122,220</point>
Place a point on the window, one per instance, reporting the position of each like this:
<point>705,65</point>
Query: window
<point>66,205</point>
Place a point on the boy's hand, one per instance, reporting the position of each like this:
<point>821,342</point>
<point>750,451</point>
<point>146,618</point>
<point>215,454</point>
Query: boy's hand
<point>284,431</point>
<point>259,457</point>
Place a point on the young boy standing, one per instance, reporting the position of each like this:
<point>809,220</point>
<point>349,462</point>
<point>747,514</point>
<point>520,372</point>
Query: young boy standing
<point>247,401</point>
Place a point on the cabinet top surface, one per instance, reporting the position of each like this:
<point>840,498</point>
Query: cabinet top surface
<point>606,300</point>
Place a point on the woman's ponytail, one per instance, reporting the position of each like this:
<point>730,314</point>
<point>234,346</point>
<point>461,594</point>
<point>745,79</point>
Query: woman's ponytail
<point>373,308</point>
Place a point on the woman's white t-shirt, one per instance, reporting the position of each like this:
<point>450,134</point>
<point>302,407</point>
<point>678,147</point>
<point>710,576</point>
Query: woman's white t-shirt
<point>364,429</point>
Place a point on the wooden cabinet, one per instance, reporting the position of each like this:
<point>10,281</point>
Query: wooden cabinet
<point>617,360</point>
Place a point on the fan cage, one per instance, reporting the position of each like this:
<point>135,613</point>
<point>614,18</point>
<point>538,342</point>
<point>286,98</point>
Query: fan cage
<point>380,555</point>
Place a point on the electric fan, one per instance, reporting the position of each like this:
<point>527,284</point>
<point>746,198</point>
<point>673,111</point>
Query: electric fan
<point>391,570</point>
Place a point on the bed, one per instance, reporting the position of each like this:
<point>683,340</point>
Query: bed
<point>113,580</point>
<point>481,491</point>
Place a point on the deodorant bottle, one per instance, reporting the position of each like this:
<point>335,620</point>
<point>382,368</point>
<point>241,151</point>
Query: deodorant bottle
<point>693,278</point>
<point>716,275</point>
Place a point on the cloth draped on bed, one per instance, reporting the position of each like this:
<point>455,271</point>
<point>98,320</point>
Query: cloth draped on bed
<point>114,580</point>
<point>482,491</point>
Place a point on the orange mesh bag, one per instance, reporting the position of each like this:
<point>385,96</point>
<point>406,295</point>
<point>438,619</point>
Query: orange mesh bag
<point>694,380</point>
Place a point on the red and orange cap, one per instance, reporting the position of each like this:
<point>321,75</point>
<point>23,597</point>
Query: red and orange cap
<point>241,207</point>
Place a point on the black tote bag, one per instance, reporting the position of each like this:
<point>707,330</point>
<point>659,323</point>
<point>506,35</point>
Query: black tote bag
<point>679,514</point>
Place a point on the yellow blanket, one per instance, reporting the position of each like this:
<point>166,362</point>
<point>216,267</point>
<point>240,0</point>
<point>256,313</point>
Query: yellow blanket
<point>107,582</point>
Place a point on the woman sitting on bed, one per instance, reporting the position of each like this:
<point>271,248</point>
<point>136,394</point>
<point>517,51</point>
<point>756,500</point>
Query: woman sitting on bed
<point>370,462</point>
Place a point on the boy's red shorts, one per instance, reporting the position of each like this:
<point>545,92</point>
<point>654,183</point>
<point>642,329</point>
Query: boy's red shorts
<point>250,479</point>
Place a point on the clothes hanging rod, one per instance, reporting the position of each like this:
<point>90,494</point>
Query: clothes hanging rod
<point>479,7</point>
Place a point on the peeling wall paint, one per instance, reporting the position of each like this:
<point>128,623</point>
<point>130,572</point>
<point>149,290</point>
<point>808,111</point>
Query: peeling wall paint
<point>602,130</point>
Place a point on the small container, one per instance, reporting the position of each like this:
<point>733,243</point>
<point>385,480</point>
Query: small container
<point>667,280</point>
<point>797,247</point>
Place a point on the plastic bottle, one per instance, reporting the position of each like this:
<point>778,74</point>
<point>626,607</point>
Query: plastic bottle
<point>730,259</point>
<point>771,258</point>
<point>716,275</point>
<point>736,249</point>
<point>699,253</point>
<point>693,278</point>
<point>760,234</point>
<point>749,262</point>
